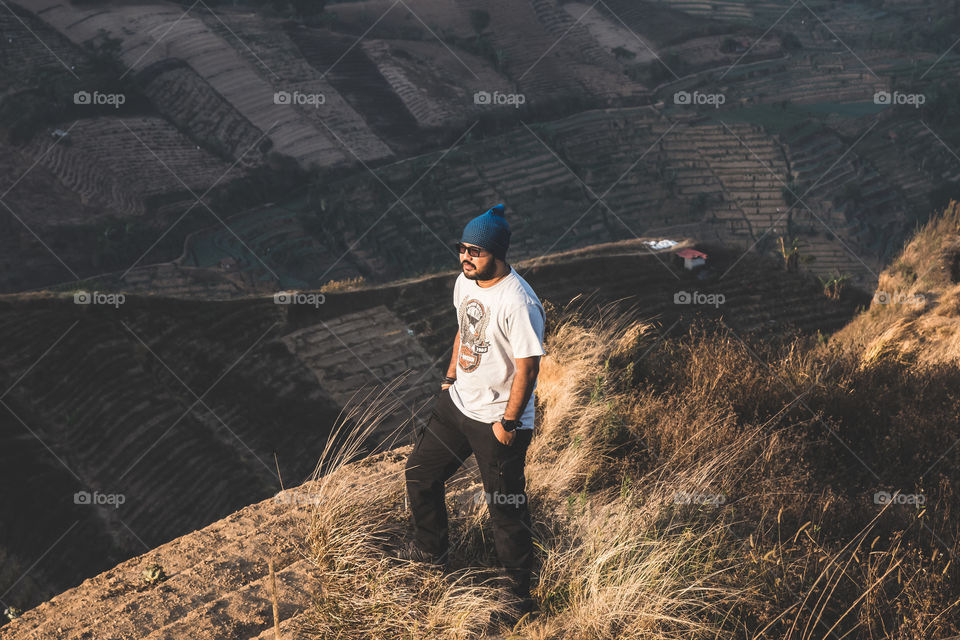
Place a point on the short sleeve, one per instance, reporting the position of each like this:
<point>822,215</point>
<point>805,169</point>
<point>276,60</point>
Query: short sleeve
<point>524,328</point>
<point>456,294</point>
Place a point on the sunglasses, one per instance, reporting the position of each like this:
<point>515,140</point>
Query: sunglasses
<point>474,252</point>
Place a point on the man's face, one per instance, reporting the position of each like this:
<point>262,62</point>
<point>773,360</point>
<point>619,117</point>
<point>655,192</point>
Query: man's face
<point>482,267</point>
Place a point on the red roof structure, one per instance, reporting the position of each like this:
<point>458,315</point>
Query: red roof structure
<point>691,253</point>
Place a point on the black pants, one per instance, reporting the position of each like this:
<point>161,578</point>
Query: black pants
<point>449,438</point>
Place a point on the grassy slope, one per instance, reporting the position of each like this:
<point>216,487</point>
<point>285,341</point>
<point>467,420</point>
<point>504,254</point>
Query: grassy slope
<point>915,315</point>
<point>691,487</point>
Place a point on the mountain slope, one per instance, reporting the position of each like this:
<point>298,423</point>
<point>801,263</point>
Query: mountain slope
<point>915,312</point>
<point>105,399</point>
<point>683,486</point>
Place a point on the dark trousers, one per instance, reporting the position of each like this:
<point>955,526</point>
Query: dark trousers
<point>448,438</point>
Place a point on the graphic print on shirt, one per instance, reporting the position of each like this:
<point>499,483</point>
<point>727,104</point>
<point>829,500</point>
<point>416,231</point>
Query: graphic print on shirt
<point>473,318</point>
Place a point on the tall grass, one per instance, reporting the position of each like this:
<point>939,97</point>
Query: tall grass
<point>357,513</point>
<point>917,318</point>
<point>701,487</point>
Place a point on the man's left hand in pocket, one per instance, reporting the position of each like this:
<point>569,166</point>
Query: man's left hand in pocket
<point>505,437</point>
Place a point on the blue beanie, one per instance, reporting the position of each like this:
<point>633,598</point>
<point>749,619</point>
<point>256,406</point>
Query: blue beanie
<point>490,231</point>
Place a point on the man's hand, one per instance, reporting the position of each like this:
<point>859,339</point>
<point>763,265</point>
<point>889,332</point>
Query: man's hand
<point>505,437</point>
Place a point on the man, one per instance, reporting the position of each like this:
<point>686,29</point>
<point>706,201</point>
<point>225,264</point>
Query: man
<point>485,405</point>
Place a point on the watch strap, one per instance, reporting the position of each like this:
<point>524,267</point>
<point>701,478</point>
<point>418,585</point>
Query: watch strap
<point>511,425</point>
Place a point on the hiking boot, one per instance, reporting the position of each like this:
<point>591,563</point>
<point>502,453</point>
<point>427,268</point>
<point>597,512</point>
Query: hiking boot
<point>413,553</point>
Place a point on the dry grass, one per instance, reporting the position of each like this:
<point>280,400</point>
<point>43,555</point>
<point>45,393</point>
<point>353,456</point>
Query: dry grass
<point>917,319</point>
<point>347,284</point>
<point>701,487</point>
<point>357,511</point>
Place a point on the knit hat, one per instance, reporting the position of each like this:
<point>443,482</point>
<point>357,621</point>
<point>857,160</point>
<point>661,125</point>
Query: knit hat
<point>490,231</point>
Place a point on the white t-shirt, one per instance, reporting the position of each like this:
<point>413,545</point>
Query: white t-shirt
<point>497,324</point>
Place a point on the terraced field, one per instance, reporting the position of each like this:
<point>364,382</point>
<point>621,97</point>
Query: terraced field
<point>357,77</point>
<point>36,203</point>
<point>181,94</point>
<point>717,181</point>
<point>23,53</point>
<point>271,237</point>
<point>869,210</point>
<point>527,34</point>
<point>384,348</point>
<point>209,55</point>
<point>128,164</point>
<point>273,54</point>
<point>398,96</point>
<point>812,78</point>
<point>119,401</point>
<point>902,152</point>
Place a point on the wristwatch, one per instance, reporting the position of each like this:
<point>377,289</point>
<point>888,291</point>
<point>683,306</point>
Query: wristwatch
<point>510,425</point>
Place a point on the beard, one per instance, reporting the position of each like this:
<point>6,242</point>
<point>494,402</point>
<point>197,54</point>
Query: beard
<point>479,274</point>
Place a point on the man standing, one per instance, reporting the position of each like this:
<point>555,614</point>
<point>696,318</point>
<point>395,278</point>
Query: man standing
<point>485,405</point>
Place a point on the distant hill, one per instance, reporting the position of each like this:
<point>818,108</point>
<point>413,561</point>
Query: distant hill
<point>257,149</point>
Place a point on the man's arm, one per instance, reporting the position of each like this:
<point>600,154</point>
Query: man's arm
<point>520,390</point>
<point>522,386</point>
<point>452,368</point>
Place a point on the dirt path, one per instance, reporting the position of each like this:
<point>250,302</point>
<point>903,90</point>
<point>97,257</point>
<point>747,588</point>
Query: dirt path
<point>217,583</point>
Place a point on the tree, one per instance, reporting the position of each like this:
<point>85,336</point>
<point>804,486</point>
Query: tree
<point>729,45</point>
<point>833,287</point>
<point>791,257</point>
<point>479,20</point>
<point>790,42</point>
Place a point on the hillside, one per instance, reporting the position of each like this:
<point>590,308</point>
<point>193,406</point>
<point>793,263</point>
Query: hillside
<point>158,395</point>
<point>258,148</point>
<point>216,581</point>
<point>227,256</point>
<point>915,313</point>
<point>698,485</point>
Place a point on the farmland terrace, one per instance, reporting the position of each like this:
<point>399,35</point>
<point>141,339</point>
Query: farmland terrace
<point>178,179</point>
<point>722,182</point>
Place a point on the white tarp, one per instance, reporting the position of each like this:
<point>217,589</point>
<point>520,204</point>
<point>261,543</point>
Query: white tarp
<point>660,244</point>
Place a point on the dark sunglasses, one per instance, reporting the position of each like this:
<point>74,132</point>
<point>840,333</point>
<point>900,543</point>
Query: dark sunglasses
<point>474,252</point>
